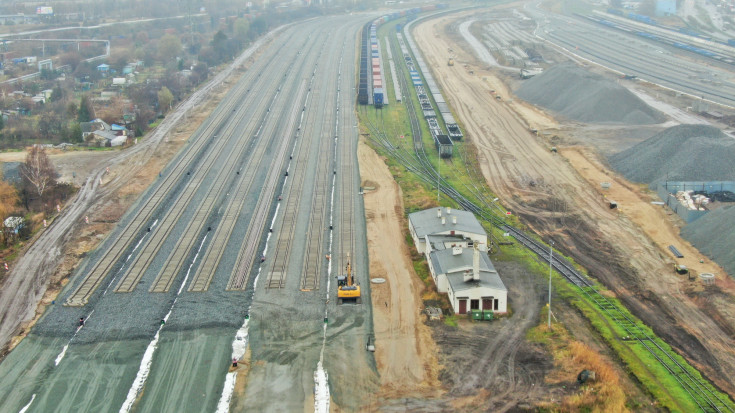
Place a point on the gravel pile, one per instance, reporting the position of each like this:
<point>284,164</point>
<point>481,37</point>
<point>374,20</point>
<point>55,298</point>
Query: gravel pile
<point>683,153</point>
<point>587,97</point>
<point>712,234</point>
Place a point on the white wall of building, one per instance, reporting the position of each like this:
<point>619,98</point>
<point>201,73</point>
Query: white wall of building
<point>481,294</point>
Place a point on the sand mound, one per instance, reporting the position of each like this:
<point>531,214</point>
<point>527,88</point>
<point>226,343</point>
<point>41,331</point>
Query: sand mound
<point>681,153</point>
<point>713,236</point>
<point>587,97</point>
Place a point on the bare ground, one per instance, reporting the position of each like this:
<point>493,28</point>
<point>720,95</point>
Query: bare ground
<point>559,201</point>
<point>406,354</point>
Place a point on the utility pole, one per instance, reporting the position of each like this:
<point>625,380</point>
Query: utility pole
<point>551,252</point>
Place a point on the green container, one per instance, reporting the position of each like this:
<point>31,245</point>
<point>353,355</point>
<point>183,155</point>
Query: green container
<point>488,315</point>
<point>476,315</point>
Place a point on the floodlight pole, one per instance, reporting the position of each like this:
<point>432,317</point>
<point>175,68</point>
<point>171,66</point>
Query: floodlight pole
<point>551,252</point>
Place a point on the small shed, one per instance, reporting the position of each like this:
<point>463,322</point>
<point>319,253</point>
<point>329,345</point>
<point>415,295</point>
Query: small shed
<point>103,68</point>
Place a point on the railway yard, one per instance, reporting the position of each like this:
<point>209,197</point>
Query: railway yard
<point>175,286</point>
<point>217,289</point>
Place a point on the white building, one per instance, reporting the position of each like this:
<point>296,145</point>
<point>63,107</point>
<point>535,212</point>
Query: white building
<point>469,279</point>
<point>439,228</point>
<point>455,244</point>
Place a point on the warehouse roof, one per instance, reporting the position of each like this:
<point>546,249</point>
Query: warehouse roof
<point>454,266</point>
<point>427,222</point>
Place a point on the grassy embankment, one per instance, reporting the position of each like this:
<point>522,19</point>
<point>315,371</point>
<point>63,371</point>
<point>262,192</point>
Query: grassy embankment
<point>393,121</point>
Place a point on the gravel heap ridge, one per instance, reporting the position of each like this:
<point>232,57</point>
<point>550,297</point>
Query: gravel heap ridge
<point>684,152</point>
<point>587,97</point>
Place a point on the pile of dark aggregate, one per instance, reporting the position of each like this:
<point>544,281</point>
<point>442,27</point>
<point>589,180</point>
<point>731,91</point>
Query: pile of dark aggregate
<point>679,153</point>
<point>714,236</point>
<point>577,94</point>
<point>689,153</point>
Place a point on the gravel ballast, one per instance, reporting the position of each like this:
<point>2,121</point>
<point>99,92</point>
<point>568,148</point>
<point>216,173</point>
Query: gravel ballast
<point>679,153</point>
<point>583,96</point>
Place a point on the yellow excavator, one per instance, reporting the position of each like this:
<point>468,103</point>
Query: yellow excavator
<point>347,289</point>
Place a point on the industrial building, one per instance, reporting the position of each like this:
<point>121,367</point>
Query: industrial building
<point>439,228</point>
<point>455,245</point>
<point>469,278</point>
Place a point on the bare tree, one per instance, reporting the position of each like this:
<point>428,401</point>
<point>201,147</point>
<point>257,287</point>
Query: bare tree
<point>38,170</point>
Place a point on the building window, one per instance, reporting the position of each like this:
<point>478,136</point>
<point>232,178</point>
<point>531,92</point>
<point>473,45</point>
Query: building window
<point>495,304</point>
<point>474,304</point>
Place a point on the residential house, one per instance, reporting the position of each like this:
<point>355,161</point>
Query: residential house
<point>100,133</point>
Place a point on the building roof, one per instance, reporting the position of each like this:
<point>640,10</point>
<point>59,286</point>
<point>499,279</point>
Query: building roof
<point>454,266</point>
<point>426,222</point>
<point>437,241</point>
<point>94,125</point>
<point>105,134</point>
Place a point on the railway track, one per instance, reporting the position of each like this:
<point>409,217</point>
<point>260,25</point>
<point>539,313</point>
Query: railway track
<point>313,259</point>
<point>278,270</point>
<point>346,146</point>
<point>630,65</point>
<point>700,390</point>
<point>190,159</point>
<point>124,241</point>
<point>246,257</point>
<point>142,261</point>
<point>205,272</point>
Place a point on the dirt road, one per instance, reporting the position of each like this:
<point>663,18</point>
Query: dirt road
<point>553,198</point>
<point>406,353</point>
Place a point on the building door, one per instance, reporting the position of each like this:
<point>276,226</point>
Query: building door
<point>474,304</point>
<point>463,306</point>
<point>487,303</point>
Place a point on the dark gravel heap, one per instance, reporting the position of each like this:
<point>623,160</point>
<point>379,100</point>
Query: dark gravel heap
<point>684,152</point>
<point>587,97</point>
<point>712,234</point>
